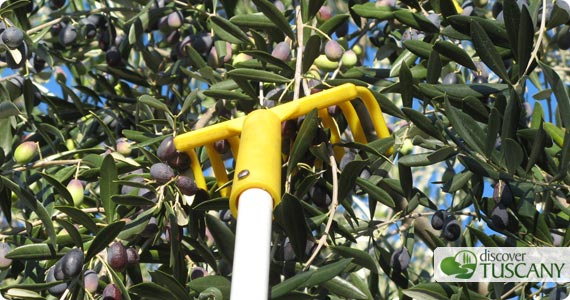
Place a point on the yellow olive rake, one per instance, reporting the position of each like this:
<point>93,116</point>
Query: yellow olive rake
<point>255,142</point>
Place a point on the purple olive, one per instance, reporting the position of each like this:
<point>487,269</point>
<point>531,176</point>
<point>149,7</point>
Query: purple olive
<point>282,51</point>
<point>58,289</point>
<point>324,14</point>
<point>113,57</point>
<point>500,217</point>
<point>502,193</point>
<point>186,185</point>
<point>438,219</point>
<point>161,172</point>
<point>111,292</point>
<point>89,30</point>
<point>175,19</point>
<point>180,161</point>
<point>202,43</point>
<point>222,146</point>
<point>90,281</point>
<point>68,35</point>
<point>333,50</point>
<point>13,37</point>
<point>132,256</point>
<point>166,149</point>
<point>480,79</point>
<point>451,229</point>
<point>4,249</point>
<point>198,272</point>
<point>451,78</point>
<point>117,256</point>
<point>72,263</point>
<point>400,260</point>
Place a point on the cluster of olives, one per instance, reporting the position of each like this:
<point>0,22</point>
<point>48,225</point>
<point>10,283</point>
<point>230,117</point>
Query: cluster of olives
<point>173,160</point>
<point>503,197</point>
<point>120,257</point>
<point>334,54</point>
<point>175,34</point>
<point>71,265</point>
<point>93,27</point>
<point>68,267</point>
<point>447,223</point>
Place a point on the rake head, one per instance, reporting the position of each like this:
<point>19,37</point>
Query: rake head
<point>255,139</point>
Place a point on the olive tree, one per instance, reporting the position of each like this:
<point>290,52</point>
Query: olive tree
<point>98,204</point>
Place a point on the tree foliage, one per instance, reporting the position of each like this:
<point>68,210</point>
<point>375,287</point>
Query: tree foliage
<point>474,94</point>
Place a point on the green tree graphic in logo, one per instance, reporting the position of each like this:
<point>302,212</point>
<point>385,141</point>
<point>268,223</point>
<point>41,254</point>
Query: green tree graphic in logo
<point>462,265</point>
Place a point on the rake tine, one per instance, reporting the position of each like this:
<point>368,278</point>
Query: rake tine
<point>219,169</point>
<point>234,144</point>
<point>353,121</point>
<point>375,112</point>
<point>330,123</point>
<point>196,169</point>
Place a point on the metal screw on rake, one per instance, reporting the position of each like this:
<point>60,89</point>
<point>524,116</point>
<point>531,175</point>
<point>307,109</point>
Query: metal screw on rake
<point>255,141</point>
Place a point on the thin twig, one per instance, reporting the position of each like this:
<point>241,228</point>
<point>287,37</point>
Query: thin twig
<point>319,31</point>
<point>336,71</point>
<point>534,55</point>
<point>516,287</point>
<point>47,163</point>
<point>261,93</point>
<point>206,117</point>
<point>44,25</point>
<point>65,293</point>
<point>537,292</point>
<point>300,49</point>
<point>298,68</point>
<point>77,169</point>
<point>332,209</point>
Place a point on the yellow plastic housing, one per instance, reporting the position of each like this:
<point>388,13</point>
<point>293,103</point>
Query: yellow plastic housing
<point>258,164</point>
<point>255,139</point>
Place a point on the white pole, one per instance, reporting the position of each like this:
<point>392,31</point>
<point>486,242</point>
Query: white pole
<point>250,273</point>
